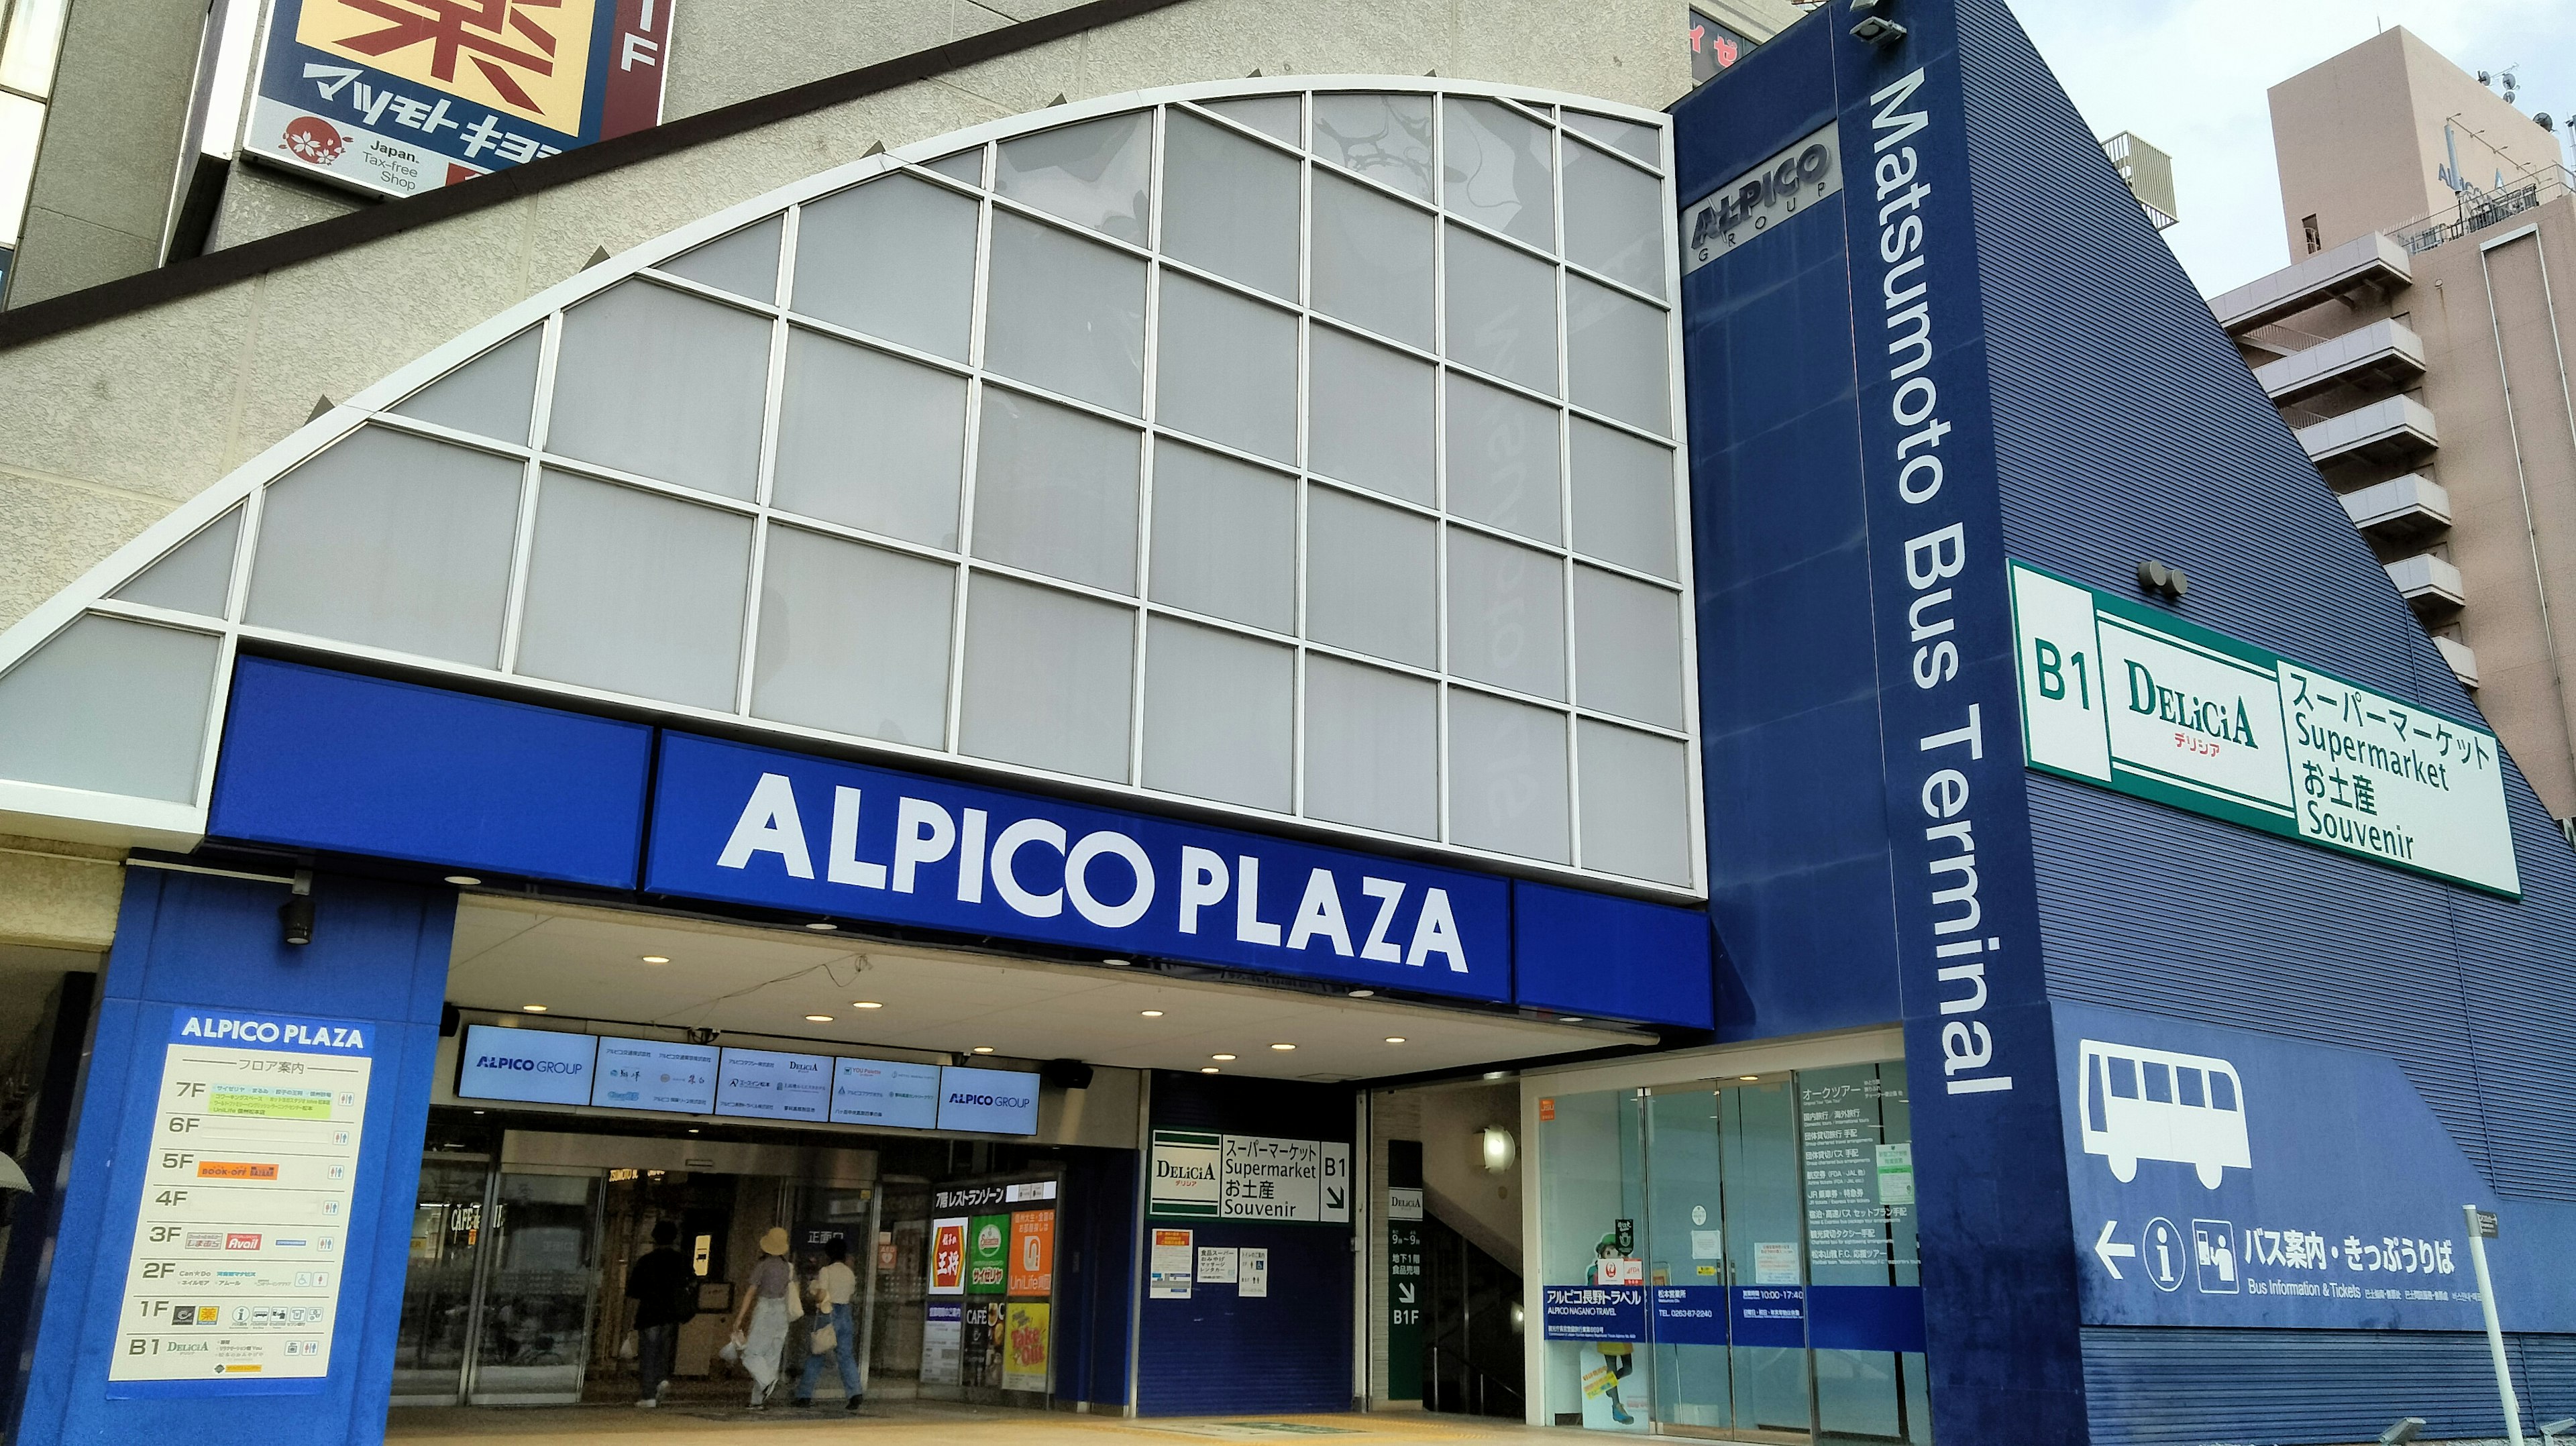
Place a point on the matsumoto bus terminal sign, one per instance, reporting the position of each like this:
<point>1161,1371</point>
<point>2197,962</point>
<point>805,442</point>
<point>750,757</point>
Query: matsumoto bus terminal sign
<point>2129,698</point>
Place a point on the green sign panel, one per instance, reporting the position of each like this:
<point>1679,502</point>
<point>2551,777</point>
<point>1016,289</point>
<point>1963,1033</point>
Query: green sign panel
<point>988,1254</point>
<point>2121,695</point>
<point>1404,1308</point>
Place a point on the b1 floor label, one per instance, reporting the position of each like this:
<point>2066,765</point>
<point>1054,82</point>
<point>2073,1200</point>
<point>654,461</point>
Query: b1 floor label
<point>2124,696</point>
<point>238,1248</point>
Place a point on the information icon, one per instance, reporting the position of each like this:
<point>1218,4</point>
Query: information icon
<point>2162,1251</point>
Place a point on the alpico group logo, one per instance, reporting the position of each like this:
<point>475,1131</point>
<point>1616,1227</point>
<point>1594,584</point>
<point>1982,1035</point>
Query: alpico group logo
<point>315,140</point>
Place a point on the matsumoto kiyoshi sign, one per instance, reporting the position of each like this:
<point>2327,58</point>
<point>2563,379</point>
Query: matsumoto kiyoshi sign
<point>753,825</point>
<point>2121,695</point>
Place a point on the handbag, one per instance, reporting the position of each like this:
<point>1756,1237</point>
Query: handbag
<point>628,1348</point>
<point>823,1338</point>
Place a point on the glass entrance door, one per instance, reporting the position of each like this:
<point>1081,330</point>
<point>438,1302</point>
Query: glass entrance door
<point>438,1284</point>
<point>540,1287</point>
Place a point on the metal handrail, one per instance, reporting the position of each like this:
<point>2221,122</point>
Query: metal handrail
<point>1482,1386</point>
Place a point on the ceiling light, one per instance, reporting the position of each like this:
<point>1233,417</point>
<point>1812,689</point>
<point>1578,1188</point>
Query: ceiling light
<point>1748,1078</point>
<point>865,1004</point>
<point>983,1049</point>
<point>1209,1069</point>
<point>657,958</point>
<point>818,1019</point>
<point>693,1131</point>
<point>1363,994</point>
<point>1221,1057</point>
<point>1569,1019</point>
<point>478,1112</point>
<point>533,1008</point>
<point>1493,1074</point>
<point>1151,1013</point>
<point>1283,1046</point>
<point>1119,963</point>
<point>823,926</point>
<point>463,881</point>
<point>1395,1039</point>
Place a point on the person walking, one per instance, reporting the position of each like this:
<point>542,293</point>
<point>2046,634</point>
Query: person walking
<point>665,1292</point>
<point>834,1285</point>
<point>768,1304</point>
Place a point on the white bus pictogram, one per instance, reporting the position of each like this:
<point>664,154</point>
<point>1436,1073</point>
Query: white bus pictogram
<point>2155,1104</point>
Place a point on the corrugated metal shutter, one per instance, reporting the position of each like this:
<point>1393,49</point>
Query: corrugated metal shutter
<point>2186,1387</point>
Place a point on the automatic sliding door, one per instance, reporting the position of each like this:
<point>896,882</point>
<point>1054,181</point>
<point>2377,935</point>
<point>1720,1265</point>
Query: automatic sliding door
<point>438,1283</point>
<point>1766,1261</point>
<point>540,1290</point>
<point>1686,1259</point>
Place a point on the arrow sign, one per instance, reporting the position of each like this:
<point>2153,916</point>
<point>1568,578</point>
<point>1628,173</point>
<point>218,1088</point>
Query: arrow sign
<point>1404,1295</point>
<point>2105,1250</point>
<point>1336,1198</point>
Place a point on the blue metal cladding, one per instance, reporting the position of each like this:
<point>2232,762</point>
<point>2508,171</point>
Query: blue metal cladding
<point>1591,954</point>
<point>1218,1351</point>
<point>317,759</point>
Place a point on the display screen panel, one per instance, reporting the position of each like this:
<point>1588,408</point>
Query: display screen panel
<point>885,1092</point>
<point>988,1101</point>
<point>537,1066</point>
<point>761,1084</point>
<point>655,1074</point>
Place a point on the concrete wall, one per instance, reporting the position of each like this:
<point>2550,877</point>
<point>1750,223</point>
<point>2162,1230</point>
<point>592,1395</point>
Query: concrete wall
<point>101,194</point>
<point>115,424</point>
<point>1477,1203</point>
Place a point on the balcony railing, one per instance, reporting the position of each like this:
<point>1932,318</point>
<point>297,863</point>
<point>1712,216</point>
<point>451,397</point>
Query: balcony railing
<point>2394,429</point>
<point>2384,354</point>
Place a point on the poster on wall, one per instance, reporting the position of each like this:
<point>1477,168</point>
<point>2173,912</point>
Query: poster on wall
<point>2123,696</point>
<point>1025,1363</point>
<point>948,1256</point>
<point>988,1254</point>
<point>235,1268</point>
<point>982,1341</point>
<point>406,96</point>
<point>1168,1266</point>
<point>1033,1253</point>
<point>1252,1272</point>
<point>943,1344</point>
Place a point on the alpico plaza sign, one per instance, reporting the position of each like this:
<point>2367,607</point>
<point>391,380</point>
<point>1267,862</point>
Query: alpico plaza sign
<point>2120,695</point>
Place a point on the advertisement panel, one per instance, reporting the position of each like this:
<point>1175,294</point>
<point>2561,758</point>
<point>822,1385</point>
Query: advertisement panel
<point>948,1256</point>
<point>653,1074</point>
<point>406,96</point>
<point>989,1101</point>
<point>1204,1175</point>
<point>1024,1346</point>
<point>885,1092</point>
<point>988,1254</point>
<point>1033,1253</point>
<point>765,1084</point>
<point>536,1066</point>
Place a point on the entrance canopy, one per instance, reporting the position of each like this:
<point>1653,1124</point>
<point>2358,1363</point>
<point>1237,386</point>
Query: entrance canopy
<point>1307,454</point>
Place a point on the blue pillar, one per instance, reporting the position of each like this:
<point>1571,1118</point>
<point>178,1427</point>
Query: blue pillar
<point>195,943</point>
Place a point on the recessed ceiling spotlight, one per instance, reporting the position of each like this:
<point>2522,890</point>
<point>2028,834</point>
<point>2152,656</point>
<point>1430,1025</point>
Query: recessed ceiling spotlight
<point>823,926</point>
<point>463,881</point>
<point>1151,1013</point>
<point>478,1112</point>
<point>1748,1078</point>
<point>818,1019</point>
<point>1283,1046</point>
<point>1119,963</point>
<point>533,1008</point>
<point>1569,1019</point>
<point>1221,1057</point>
<point>983,1049</point>
<point>1498,1074</point>
<point>693,1130</point>
<point>1395,1039</point>
<point>657,958</point>
<point>1363,994</point>
<point>1209,1069</point>
<point>865,1004</point>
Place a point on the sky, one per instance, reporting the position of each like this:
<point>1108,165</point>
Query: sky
<point>2188,76</point>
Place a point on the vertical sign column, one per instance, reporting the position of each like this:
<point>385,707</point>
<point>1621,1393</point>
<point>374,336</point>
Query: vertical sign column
<point>1404,1293</point>
<point>237,1255</point>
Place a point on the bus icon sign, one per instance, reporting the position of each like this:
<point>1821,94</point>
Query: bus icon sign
<point>2155,1104</point>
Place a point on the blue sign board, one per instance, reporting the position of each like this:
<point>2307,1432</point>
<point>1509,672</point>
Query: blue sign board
<point>993,1101</point>
<point>655,1074</point>
<point>1768,1315</point>
<point>757,826</point>
<point>885,1092</point>
<point>765,1084</point>
<point>1689,1315</point>
<point>1594,1312</point>
<point>538,1066</point>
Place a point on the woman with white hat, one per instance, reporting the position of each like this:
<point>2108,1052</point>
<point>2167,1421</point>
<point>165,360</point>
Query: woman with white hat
<point>767,1307</point>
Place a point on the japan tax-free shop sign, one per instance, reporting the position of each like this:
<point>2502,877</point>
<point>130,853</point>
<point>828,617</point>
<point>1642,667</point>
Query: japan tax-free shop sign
<point>233,1281</point>
<point>406,96</point>
<point>2125,697</point>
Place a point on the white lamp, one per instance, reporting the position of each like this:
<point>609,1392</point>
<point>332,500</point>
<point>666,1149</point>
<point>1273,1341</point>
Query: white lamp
<point>1500,1149</point>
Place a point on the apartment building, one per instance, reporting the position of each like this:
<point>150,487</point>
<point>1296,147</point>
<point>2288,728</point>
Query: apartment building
<point>2418,348</point>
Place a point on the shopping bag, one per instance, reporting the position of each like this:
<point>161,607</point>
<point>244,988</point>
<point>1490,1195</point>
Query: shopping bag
<point>731,1351</point>
<point>630,1347</point>
<point>822,1339</point>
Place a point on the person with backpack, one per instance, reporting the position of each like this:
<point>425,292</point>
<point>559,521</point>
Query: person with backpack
<point>665,1292</point>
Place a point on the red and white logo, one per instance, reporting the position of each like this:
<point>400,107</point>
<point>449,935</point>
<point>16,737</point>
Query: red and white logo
<point>311,138</point>
<point>241,1242</point>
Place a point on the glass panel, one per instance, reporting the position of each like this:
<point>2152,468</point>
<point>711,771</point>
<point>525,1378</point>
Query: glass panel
<point>194,577</point>
<point>1372,261</point>
<point>1594,1184</point>
<point>1270,114</point>
<point>635,593</point>
<point>1368,578</point>
<point>1628,647</point>
<point>744,263</point>
<point>854,639</point>
<point>1615,354</point>
<point>1496,171</point>
<point>1643,142</point>
<point>662,385</point>
<point>391,541</point>
<point>1368,415</point>
<point>490,396</point>
<point>35,38</point>
<point>22,124</point>
<point>1217,711</point>
<point>1858,1134</point>
<point>894,258</point>
<point>1613,218</point>
<point>1230,204</point>
<point>1502,311</point>
<point>1502,460</point>
<point>110,706</point>
<point>1636,802</point>
<point>1506,777</point>
<point>1623,499</point>
<point>1227,370</point>
<point>870,441</point>
<point>1386,138</point>
<point>438,1282</point>
<point>1055,492</point>
<point>967,166</point>
<point>1758,1125</point>
<point>1066,314</point>
<point>1372,747</point>
<point>1683,1245</point>
<point>1506,614</point>
<point>534,1336</point>
<point>1225,538</point>
<point>1047,678</point>
<point>1092,174</point>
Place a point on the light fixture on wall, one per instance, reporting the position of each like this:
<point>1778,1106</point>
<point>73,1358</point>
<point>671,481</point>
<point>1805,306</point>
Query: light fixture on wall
<point>1500,1150</point>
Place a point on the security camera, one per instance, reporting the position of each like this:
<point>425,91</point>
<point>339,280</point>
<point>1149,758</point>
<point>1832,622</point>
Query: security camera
<point>295,916</point>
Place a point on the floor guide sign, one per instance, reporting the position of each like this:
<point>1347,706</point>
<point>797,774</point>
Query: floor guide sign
<point>236,1266</point>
